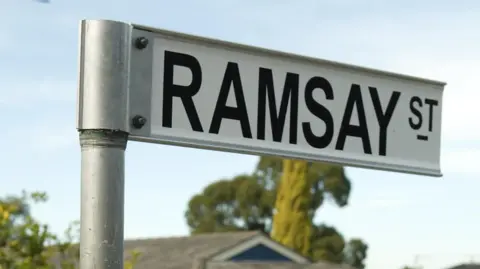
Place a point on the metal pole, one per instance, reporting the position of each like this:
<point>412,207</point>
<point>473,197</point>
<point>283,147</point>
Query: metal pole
<point>103,128</point>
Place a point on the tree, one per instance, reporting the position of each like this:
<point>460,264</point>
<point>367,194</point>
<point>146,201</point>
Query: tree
<point>247,202</point>
<point>327,182</point>
<point>356,252</point>
<point>230,205</point>
<point>327,244</point>
<point>25,243</point>
<point>292,224</point>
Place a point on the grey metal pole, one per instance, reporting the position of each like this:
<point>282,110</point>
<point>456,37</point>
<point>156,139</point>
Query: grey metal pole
<point>103,128</point>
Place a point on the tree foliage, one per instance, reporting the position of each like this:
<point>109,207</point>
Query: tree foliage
<point>25,243</point>
<point>247,202</point>
<point>356,252</point>
<point>230,205</point>
<point>292,225</point>
<point>327,244</point>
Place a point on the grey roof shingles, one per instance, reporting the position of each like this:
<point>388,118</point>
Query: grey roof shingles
<point>182,252</point>
<point>466,266</point>
<point>274,265</point>
<point>193,252</point>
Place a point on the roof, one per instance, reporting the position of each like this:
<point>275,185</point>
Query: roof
<point>279,265</point>
<point>466,266</point>
<point>211,251</point>
<point>182,252</point>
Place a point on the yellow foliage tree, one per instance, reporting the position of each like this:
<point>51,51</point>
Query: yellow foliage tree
<point>292,224</point>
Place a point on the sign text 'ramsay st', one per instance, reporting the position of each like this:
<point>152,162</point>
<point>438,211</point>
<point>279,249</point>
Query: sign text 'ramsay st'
<point>210,94</point>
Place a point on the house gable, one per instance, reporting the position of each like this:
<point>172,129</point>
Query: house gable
<point>259,248</point>
<point>260,252</point>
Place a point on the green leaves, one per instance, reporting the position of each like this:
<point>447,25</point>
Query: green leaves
<point>356,253</point>
<point>328,182</point>
<point>25,243</point>
<point>130,263</point>
<point>229,205</point>
<point>24,240</point>
<point>247,202</point>
<point>249,199</point>
<point>327,244</point>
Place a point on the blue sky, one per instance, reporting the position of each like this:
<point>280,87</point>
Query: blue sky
<point>400,216</point>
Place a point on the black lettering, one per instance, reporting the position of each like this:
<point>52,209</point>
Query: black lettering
<point>222,111</point>
<point>290,90</point>
<point>415,111</point>
<point>346,129</point>
<point>185,93</point>
<point>431,103</point>
<point>383,118</point>
<point>320,112</point>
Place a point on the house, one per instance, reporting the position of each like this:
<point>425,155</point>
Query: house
<point>232,250</point>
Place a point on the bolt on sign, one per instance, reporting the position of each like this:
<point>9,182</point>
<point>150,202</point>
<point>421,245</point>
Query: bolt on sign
<point>197,92</point>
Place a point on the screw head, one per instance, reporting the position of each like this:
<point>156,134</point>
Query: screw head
<point>138,121</point>
<point>141,42</point>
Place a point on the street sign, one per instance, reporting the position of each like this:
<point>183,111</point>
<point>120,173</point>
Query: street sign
<point>157,86</point>
<point>197,92</point>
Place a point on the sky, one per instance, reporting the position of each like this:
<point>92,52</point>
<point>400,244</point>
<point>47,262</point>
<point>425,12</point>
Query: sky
<point>400,216</point>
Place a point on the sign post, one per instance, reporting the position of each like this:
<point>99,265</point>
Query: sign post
<point>103,128</point>
<point>156,86</point>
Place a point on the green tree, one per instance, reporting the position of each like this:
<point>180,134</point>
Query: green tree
<point>247,202</point>
<point>230,205</point>
<point>25,243</point>
<point>356,252</point>
<point>327,182</point>
<point>327,244</point>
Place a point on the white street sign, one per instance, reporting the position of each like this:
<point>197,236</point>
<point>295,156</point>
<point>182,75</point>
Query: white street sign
<point>205,93</point>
